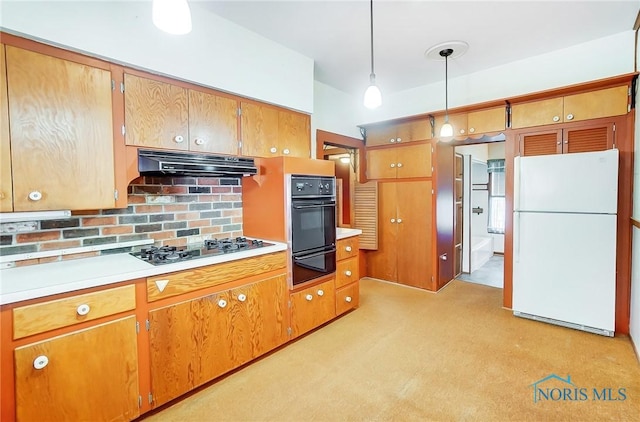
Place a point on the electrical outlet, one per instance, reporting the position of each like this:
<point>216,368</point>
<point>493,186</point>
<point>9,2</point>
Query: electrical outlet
<point>26,226</point>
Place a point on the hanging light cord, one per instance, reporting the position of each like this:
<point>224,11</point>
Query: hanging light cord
<point>371,16</point>
<point>446,85</point>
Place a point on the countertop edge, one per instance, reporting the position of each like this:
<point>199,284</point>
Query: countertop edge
<point>344,232</point>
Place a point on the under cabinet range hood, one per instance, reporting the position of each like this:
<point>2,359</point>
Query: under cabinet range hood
<point>170,163</point>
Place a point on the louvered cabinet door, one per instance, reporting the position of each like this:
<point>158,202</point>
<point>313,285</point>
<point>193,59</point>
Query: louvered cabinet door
<point>598,137</point>
<point>381,263</point>
<point>540,143</point>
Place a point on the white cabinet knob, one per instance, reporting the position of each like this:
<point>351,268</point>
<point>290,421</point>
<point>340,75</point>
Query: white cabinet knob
<point>556,118</point>
<point>392,140</point>
<point>273,150</point>
<point>461,131</point>
<point>35,195</point>
<point>309,297</point>
<point>286,151</point>
<point>569,116</point>
<point>399,220</point>
<point>399,165</point>
<point>178,139</point>
<point>242,297</point>
<point>83,309</point>
<point>393,165</point>
<point>347,299</point>
<point>348,248</point>
<point>398,140</point>
<point>393,220</point>
<point>472,129</point>
<point>222,303</point>
<point>320,292</point>
<point>199,141</point>
<point>40,362</point>
<point>347,273</point>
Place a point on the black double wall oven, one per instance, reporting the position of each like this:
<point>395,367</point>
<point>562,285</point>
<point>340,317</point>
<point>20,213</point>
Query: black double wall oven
<point>312,230</point>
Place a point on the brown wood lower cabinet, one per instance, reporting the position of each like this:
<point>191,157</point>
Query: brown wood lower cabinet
<point>312,307</point>
<point>91,374</point>
<point>195,341</point>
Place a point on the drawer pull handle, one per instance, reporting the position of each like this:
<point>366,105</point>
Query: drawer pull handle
<point>348,299</point>
<point>399,165</point>
<point>569,116</point>
<point>35,195</point>
<point>347,248</point>
<point>199,141</point>
<point>347,273</point>
<point>242,297</point>
<point>398,139</point>
<point>309,297</point>
<point>392,140</point>
<point>40,362</point>
<point>320,292</point>
<point>83,309</point>
<point>286,151</point>
<point>273,150</point>
<point>222,303</point>
<point>178,139</point>
<point>556,118</point>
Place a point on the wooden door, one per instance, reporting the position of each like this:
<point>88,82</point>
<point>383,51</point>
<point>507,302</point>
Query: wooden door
<point>414,243</point>
<point>540,143</point>
<point>458,121</point>
<point>381,163</point>
<point>596,104</point>
<point>213,123</point>
<point>445,217</point>
<point>259,318</point>
<point>156,114</point>
<point>62,144</point>
<point>312,307</point>
<point>259,129</point>
<point>537,113</point>
<point>413,161</point>
<point>90,375</point>
<point>6,185</point>
<point>489,120</point>
<point>588,137</point>
<point>381,263</point>
<point>381,135</point>
<point>415,130</point>
<point>294,134</point>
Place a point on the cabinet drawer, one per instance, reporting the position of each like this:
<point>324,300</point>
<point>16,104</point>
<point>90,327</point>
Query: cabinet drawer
<point>347,272</point>
<point>312,307</point>
<point>46,316</point>
<point>347,248</point>
<point>347,298</point>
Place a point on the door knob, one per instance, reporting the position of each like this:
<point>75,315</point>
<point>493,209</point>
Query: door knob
<point>393,220</point>
<point>399,220</point>
<point>569,116</point>
<point>222,303</point>
<point>347,273</point>
<point>35,195</point>
<point>320,292</point>
<point>347,248</point>
<point>443,257</point>
<point>347,299</point>
<point>242,297</point>
<point>40,362</point>
<point>83,309</point>
<point>178,139</point>
<point>199,141</point>
<point>309,297</point>
<point>273,150</point>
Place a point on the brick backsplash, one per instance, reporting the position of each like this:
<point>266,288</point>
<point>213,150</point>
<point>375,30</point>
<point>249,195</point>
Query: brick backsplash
<point>171,211</point>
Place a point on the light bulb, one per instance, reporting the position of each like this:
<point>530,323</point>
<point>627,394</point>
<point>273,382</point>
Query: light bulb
<point>372,97</point>
<point>172,16</point>
<point>345,160</point>
<point>446,131</point>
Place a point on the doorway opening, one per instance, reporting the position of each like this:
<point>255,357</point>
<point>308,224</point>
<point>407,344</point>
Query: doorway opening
<point>480,216</point>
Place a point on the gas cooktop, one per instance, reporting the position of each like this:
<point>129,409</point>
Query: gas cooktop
<point>212,247</point>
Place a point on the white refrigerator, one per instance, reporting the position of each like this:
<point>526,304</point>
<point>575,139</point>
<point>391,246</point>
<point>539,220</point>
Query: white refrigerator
<point>564,239</point>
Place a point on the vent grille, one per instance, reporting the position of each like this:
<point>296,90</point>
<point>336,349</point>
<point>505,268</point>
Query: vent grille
<point>586,140</point>
<point>366,214</point>
<point>542,144</point>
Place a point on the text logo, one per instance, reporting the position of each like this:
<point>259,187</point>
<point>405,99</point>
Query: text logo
<point>557,389</point>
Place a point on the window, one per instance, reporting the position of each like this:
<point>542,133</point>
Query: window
<point>497,202</point>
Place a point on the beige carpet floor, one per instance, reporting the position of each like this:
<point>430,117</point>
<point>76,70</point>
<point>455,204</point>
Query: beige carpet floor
<point>412,355</point>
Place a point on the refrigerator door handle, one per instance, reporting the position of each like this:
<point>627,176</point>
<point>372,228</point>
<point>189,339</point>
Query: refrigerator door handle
<point>516,236</point>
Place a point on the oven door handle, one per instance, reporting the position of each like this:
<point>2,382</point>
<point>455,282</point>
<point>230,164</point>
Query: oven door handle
<point>313,255</point>
<point>301,207</point>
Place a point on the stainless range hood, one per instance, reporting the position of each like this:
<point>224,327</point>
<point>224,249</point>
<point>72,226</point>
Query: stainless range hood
<point>170,163</point>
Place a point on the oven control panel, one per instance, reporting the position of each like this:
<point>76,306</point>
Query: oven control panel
<point>313,186</point>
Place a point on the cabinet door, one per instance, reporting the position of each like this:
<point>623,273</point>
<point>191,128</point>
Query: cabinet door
<point>381,263</point>
<point>537,113</point>
<point>347,272</point>
<point>156,114</point>
<point>6,188</point>
<point>594,137</point>
<point>90,375</point>
<point>312,307</point>
<point>294,134</point>
<point>381,135</point>
<point>540,143</point>
<point>415,130</point>
<point>381,163</point>
<point>61,128</point>
<point>596,104</point>
<point>259,130</point>
<point>213,123</point>
<point>258,319</point>
<point>458,121</point>
<point>414,245</point>
<point>485,121</point>
<point>413,161</point>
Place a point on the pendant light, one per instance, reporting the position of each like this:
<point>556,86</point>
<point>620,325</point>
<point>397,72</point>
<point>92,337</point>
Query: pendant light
<point>372,96</point>
<point>446,131</point>
<point>172,16</point>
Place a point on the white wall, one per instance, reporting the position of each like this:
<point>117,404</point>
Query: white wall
<point>601,58</point>
<point>217,53</point>
<point>634,323</point>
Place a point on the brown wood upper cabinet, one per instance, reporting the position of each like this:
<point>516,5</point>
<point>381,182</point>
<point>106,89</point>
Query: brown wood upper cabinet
<point>399,162</point>
<point>475,122</point>
<point>162,115</point>
<point>582,137</point>
<point>388,134</point>
<point>268,131</point>
<point>60,131</point>
<point>571,108</point>
<point>6,185</point>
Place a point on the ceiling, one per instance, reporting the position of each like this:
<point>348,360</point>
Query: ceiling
<point>336,34</point>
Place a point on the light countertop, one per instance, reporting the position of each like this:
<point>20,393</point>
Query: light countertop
<point>34,281</point>
<point>343,232</point>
